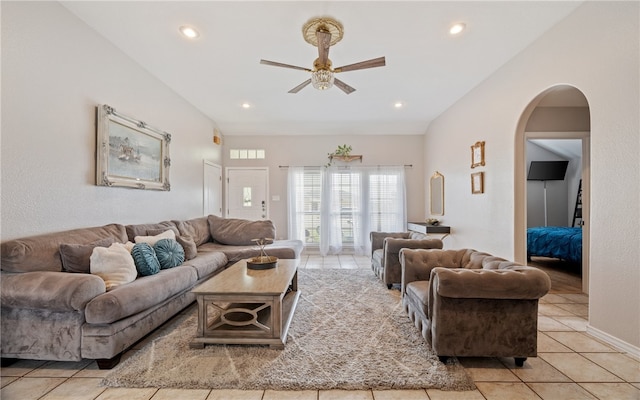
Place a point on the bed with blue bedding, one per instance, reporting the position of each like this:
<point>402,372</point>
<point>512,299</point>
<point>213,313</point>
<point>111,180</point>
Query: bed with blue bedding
<point>556,242</point>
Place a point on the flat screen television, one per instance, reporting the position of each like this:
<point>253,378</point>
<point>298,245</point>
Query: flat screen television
<point>547,170</point>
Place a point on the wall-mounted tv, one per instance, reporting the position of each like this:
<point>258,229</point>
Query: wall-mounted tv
<point>547,170</point>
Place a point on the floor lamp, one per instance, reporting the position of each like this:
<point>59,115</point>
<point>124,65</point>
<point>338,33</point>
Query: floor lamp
<point>547,171</point>
<point>544,183</point>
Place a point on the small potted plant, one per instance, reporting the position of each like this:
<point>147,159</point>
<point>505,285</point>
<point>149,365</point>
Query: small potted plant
<point>341,151</point>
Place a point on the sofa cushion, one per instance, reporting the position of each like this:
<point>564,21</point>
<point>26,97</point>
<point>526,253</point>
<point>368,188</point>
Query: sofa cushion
<point>141,229</point>
<point>114,265</point>
<point>151,240</point>
<point>189,246</point>
<point>419,291</point>
<point>137,296</point>
<point>196,228</point>
<point>144,257</point>
<point>285,249</point>
<point>207,263</point>
<point>169,253</point>
<point>239,232</point>
<point>42,252</point>
<point>75,257</point>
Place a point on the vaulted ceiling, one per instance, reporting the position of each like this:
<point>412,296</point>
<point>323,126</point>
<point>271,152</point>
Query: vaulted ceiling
<point>427,69</point>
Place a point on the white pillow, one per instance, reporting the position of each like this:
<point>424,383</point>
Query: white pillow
<point>113,264</point>
<point>129,246</point>
<point>151,240</point>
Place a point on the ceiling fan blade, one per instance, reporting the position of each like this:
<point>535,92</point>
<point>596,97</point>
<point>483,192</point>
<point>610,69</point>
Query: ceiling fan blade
<point>277,64</point>
<point>324,42</point>
<point>300,86</point>
<point>343,86</point>
<point>375,62</point>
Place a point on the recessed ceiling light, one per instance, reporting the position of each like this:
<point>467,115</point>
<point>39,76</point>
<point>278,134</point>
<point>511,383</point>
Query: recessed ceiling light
<point>189,32</point>
<point>246,105</point>
<point>457,28</point>
<point>398,104</point>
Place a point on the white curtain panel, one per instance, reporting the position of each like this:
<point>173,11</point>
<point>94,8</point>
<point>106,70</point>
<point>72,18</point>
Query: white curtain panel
<point>354,201</point>
<point>295,203</point>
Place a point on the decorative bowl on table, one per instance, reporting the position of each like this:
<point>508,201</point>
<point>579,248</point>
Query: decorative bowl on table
<point>262,262</point>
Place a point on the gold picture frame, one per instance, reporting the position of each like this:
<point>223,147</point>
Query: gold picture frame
<point>477,154</point>
<point>477,183</point>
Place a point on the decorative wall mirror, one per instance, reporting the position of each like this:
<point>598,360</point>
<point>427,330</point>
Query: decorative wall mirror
<point>436,189</point>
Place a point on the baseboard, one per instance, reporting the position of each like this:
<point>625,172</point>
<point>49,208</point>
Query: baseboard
<point>621,345</point>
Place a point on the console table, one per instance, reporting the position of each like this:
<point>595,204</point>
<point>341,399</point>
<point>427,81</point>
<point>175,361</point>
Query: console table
<point>427,229</point>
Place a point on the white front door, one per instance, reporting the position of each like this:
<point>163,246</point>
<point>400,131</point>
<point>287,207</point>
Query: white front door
<point>247,193</point>
<point>212,196</point>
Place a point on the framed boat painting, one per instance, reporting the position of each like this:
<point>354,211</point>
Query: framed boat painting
<point>130,153</point>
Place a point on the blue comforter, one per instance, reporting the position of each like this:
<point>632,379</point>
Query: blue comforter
<point>556,242</point>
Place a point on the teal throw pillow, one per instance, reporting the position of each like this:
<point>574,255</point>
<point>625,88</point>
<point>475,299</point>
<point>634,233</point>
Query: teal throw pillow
<point>169,252</point>
<point>145,259</point>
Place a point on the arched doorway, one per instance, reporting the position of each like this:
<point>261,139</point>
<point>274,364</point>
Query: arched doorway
<point>558,116</point>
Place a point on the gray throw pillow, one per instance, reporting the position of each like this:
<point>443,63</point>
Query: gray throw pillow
<point>189,246</point>
<point>240,232</point>
<point>75,257</point>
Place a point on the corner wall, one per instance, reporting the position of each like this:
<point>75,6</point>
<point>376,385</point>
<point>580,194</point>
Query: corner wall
<point>55,71</point>
<point>595,49</point>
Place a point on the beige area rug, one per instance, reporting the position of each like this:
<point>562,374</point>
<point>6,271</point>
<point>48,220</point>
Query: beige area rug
<point>348,332</point>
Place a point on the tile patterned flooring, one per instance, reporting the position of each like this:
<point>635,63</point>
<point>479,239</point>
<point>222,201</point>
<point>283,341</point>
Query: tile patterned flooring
<point>570,365</point>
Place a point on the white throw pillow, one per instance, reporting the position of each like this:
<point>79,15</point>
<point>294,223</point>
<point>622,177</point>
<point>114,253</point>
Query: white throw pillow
<point>113,264</point>
<point>151,240</point>
<point>129,245</point>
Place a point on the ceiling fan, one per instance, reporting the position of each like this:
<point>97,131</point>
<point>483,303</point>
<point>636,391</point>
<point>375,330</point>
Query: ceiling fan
<point>323,33</point>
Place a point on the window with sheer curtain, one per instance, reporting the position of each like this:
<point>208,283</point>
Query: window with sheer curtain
<point>335,208</point>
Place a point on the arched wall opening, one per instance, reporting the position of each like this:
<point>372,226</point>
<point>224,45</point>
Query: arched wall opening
<point>557,119</point>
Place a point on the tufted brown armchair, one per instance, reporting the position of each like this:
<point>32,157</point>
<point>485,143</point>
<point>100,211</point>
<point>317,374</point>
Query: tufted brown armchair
<point>385,252</point>
<point>473,304</point>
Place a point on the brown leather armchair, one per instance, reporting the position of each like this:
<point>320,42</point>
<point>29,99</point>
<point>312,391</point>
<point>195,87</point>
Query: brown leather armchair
<point>385,252</point>
<point>472,304</point>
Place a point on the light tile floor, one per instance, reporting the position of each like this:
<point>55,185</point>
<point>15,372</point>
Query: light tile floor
<point>570,365</point>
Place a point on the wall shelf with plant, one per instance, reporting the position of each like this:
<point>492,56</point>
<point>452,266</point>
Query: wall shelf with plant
<point>342,153</point>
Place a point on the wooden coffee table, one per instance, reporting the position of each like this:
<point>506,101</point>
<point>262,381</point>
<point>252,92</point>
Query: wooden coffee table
<point>245,306</point>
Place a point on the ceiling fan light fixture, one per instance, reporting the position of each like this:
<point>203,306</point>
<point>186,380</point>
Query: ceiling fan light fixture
<point>322,79</point>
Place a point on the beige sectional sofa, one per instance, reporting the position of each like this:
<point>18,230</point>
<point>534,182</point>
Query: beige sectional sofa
<point>472,304</point>
<point>49,313</point>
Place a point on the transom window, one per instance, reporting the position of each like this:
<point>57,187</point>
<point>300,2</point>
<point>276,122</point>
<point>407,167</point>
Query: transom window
<point>246,154</point>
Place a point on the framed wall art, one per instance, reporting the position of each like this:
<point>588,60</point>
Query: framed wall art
<point>130,153</point>
<point>477,183</point>
<point>477,154</point>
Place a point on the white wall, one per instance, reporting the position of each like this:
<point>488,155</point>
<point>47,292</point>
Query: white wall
<point>596,50</point>
<point>312,151</point>
<point>55,70</point>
